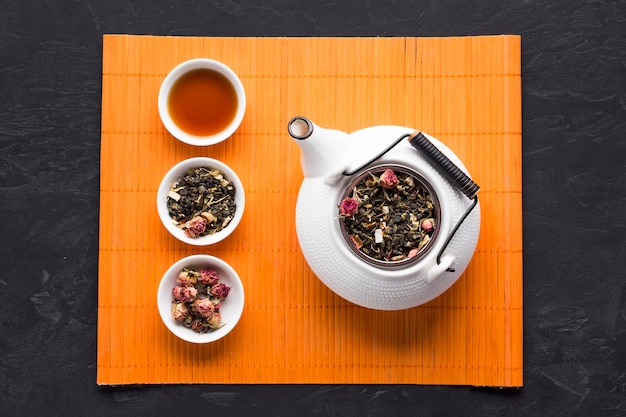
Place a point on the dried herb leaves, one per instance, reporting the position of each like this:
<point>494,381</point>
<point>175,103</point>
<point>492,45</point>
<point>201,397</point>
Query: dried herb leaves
<point>202,202</point>
<point>389,215</point>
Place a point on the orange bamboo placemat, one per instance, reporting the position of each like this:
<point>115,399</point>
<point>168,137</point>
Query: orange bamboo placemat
<point>466,91</point>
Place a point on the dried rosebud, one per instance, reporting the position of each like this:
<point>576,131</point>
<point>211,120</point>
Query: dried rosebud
<point>189,294</point>
<point>388,179</point>
<point>427,225</point>
<point>195,226</point>
<point>209,277</point>
<point>203,306</point>
<point>184,294</point>
<point>185,278</point>
<point>215,320</point>
<point>220,291</point>
<point>196,325</point>
<point>177,293</point>
<point>349,206</point>
<point>179,311</point>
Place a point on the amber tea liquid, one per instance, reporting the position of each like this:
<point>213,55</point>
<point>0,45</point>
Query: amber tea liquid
<point>202,102</point>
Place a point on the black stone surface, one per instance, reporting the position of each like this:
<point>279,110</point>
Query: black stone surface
<point>574,185</point>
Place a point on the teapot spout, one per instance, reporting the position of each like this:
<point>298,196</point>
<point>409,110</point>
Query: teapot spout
<point>322,151</point>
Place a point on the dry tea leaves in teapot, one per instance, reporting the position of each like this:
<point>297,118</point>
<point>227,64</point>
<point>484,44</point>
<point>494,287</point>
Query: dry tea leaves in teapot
<point>202,202</point>
<point>389,215</point>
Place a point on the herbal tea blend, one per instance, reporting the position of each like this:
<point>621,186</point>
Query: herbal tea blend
<point>197,299</point>
<point>202,202</point>
<point>389,215</point>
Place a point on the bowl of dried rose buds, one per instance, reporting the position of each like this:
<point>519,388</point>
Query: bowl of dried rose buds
<point>200,201</point>
<point>200,298</point>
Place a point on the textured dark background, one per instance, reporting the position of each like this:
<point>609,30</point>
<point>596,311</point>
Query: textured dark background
<point>574,197</point>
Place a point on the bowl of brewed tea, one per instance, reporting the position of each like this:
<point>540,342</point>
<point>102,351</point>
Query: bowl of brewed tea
<point>201,102</point>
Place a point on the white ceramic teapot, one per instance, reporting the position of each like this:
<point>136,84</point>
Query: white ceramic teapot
<point>330,161</point>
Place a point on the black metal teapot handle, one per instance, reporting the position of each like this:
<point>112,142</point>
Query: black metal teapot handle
<point>464,183</point>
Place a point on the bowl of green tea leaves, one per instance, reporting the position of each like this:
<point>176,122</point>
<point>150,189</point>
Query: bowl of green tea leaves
<point>389,216</point>
<point>200,201</point>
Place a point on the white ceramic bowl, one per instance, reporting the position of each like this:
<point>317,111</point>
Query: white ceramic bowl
<point>174,175</point>
<point>230,309</point>
<point>182,69</point>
